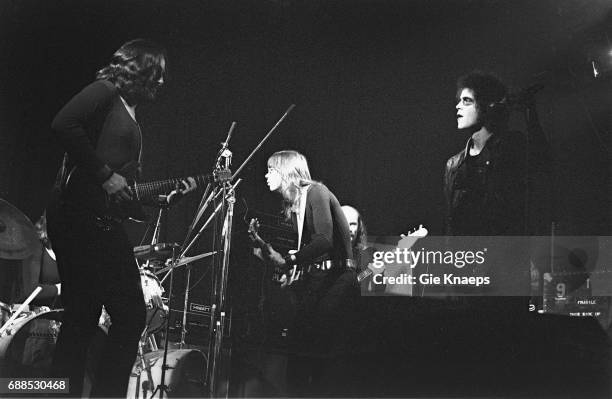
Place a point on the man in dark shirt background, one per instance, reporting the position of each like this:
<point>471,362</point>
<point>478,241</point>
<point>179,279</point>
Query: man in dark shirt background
<point>485,187</point>
<point>487,190</point>
<point>485,182</point>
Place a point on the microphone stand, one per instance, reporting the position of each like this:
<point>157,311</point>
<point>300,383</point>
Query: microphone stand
<point>185,304</point>
<point>263,140</point>
<point>203,205</point>
<point>220,272</point>
<point>162,387</point>
<point>215,194</point>
<point>212,216</point>
<point>219,312</point>
<point>206,198</point>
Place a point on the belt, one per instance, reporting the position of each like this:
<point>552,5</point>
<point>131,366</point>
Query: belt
<point>333,264</point>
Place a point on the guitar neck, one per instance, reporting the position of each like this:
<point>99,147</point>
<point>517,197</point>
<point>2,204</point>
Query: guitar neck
<point>153,188</point>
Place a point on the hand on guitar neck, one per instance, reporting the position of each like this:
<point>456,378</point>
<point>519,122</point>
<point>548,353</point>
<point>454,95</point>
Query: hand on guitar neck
<point>188,184</point>
<point>266,252</point>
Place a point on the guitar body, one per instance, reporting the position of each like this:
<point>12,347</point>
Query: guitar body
<point>83,190</point>
<point>281,275</point>
<point>131,209</point>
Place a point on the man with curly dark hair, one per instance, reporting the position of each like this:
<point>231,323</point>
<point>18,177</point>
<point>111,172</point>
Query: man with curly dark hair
<point>100,134</point>
<point>485,186</point>
<point>484,183</point>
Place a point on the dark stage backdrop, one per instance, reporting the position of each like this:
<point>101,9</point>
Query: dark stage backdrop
<point>373,82</point>
<point>374,88</point>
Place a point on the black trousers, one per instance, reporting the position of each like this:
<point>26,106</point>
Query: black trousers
<point>323,334</point>
<point>96,267</point>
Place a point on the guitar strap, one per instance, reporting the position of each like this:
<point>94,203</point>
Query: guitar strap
<point>301,214</point>
<point>139,173</point>
<point>62,175</point>
<point>127,108</point>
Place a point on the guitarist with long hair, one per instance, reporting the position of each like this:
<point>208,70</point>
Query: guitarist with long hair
<point>100,134</point>
<point>326,277</point>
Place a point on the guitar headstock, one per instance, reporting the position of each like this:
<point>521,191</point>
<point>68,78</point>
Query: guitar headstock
<point>407,240</point>
<point>254,233</point>
<point>254,226</point>
<point>419,232</point>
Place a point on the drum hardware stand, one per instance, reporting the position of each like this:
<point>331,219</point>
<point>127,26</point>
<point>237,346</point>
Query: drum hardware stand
<point>144,366</point>
<point>157,230</point>
<point>185,305</point>
<point>15,315</point>
<point>183,261</point>
<point>161,387</point>
<point>163,203</point>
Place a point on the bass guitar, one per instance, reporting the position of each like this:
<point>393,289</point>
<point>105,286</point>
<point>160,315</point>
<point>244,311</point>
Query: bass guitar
<point>283,275</point>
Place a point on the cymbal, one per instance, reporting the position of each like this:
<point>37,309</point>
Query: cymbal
<point>185,260</point>
<point>160,251</point>
<point>17,235</point>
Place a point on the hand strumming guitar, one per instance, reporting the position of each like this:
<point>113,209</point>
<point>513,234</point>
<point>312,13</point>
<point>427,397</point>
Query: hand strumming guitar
<point>117,187</point>
<point>276,259</point>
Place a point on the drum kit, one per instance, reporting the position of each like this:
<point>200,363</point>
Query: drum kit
<point>28,333</point>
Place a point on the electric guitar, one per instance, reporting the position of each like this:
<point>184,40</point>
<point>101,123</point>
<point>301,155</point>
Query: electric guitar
<point>406,241</point>
<point>81,187</point>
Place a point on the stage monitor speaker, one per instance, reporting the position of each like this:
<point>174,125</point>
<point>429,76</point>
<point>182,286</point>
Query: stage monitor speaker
<point>198,321</point>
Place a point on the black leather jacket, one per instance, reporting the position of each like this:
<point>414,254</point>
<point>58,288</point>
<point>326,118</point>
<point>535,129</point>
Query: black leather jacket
<point>486,195</point>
